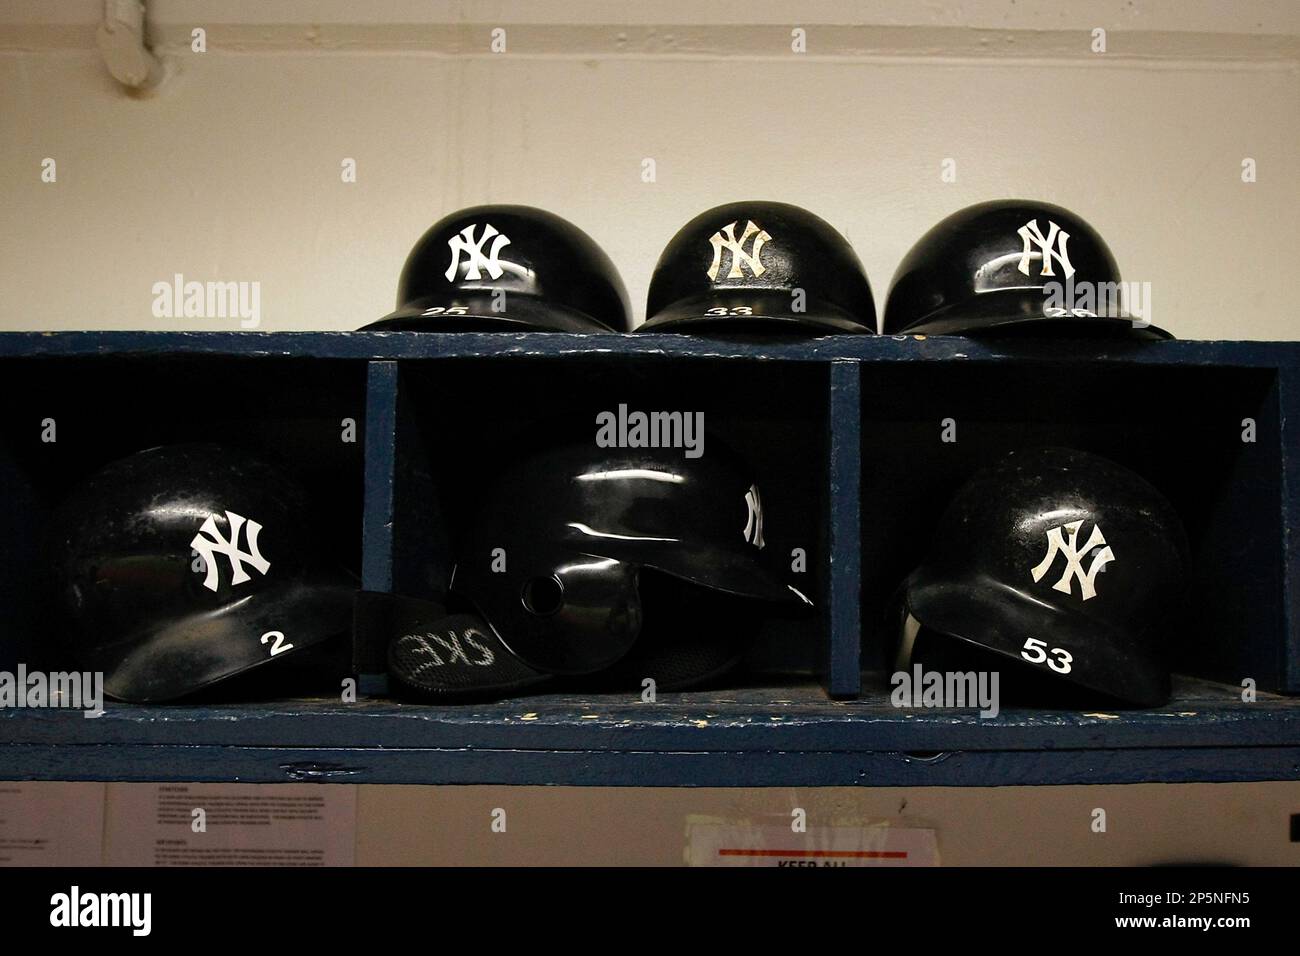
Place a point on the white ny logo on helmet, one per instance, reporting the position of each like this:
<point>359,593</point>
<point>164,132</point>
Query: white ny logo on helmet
<point>1058,543</point>
<point>216,543</point>
<point>1051,246</point>
<point>754,520</point>
<point>725,238</point>
<point>464,242</point>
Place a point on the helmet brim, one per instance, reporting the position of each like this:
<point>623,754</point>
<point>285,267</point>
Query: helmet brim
<point>478,313</point>
<point>730,572</point>
<point>1024,313</point>
<point>192,652</point>
<point>990,615</point>
<point>768,311</point>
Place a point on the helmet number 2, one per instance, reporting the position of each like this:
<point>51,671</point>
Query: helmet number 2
<point>1060,661</point>
<point>278,646</point>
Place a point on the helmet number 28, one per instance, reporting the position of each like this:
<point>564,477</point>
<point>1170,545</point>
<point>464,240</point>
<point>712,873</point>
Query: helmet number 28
<point>1060,661</point>
<point>278,646</point>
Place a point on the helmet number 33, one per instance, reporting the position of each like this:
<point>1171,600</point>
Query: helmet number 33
<point>1036,652</point>
<point>276,639</point>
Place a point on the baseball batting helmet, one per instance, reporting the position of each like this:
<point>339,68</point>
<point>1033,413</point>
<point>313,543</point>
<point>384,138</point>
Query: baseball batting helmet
<point>1062,562</point>
<point>184,565</point>
<point>513,268</point>
<point>1011,267</point>
<point>615,564</point>
<point>759,266</point>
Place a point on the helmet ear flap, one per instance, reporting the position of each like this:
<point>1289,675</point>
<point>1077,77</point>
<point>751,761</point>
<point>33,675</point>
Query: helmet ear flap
<point>695,634</point>
<point>566,615</point>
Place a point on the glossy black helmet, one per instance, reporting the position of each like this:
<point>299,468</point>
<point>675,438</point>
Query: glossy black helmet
<point>1054,566</point>
<point>512,268</point>
<point>1011,267</point>
<point>554,564</point>
<point>184,565</point>
<point>759,266</point>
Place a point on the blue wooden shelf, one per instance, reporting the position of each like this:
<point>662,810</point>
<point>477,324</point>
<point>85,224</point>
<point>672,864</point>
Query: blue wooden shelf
<point>861,413</point>
<point>415,345</point>
<point>783,735</point>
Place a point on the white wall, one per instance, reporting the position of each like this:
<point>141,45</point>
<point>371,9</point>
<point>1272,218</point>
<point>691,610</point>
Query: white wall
<point>231,171</point>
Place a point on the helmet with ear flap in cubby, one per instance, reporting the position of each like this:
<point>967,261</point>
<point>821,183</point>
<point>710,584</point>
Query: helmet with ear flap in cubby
<point>185,565</point>
<point>555,562</point>
<point>507,268</point>
<point>1058,567</point>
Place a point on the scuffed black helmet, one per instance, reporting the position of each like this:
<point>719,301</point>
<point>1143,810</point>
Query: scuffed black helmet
<point>184,565</point>
<point>592,567</point>
<point>554,561</point>
<point>755,267</point>
<point>513,268</point>
<point>1056,565</point>
<point>1011,267</point>
<point>558,558</point>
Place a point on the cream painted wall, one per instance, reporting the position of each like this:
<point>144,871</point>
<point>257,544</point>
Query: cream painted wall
<point>231,171</point>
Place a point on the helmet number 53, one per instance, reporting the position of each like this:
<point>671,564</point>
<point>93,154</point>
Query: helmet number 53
<point>1059,661</point>
<point>278,646</point>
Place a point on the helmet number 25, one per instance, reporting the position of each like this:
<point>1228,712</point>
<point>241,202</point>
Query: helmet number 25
<point>278,646</point>
<point>1059,662</point>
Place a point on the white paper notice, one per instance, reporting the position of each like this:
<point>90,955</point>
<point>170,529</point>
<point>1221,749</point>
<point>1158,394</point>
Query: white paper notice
<point>231,824</point>
<point>717,844</point>
<point>51,823</point>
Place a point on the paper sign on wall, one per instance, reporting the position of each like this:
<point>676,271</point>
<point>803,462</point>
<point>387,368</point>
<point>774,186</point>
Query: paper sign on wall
<point>231,824</point>
<point>51,823</point>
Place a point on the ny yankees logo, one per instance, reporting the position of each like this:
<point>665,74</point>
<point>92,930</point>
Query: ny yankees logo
<point>1047,248</point>
<point>215,543</point>
<point>725,238</point>
<point>464,242</point>
<point>754,521</point>
<point>1066,545</point>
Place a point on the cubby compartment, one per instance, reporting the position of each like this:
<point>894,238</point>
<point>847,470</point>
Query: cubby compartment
<point>66,417</point>
<point>844,435</point>
<point>1208,437</point>
<point>454,422</point>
